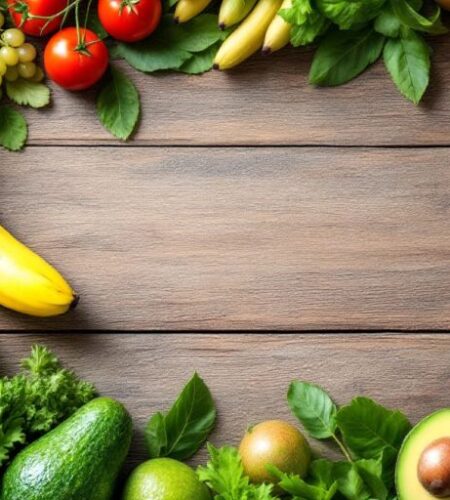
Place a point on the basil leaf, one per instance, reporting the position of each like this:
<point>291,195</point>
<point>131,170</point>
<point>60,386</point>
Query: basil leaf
<point>180,433</point>
<point>27,93</point>
<point>13,129</point>
<point>199,33</point>
<point>314,408</point>
<point>343,55</point>
<point>118,105</point>
<point>368,428</point>
<point>411,18</point>
<point>387,23</point>
<point>408,61</point>
<point>201,61</point>
<point>349,13</point>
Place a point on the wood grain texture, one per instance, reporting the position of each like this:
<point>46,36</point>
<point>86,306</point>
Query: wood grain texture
<point>249,374</point>
<point>223,238</point>
<point>264,101</point>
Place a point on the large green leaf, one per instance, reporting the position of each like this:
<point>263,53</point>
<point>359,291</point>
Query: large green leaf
<point>13,129</point>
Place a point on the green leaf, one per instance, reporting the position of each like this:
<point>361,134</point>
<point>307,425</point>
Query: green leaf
<point>200,62</point>
<point>369,429</point>
<point>13,129</point>
<point>295,485</point>
<point>118,105</point>
<point>349,13</point>
<point>414,20</point>
<point>307,22</point>
<point>27,93</point>
<point>180,433</point>
<point>343,55</point>
<point>224,475</point>
<point>408,61</point>
<point>387,23</point>
<point>94,24</point>
<point>314,408</point>
<point>371,472</point>
<point>350,483</point>
<point>173,45</point>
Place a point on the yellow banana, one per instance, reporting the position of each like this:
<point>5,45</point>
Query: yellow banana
<point>187,9</point>
<point>233,11</point>
<point>278,33</point>
<point>249,37</point>
<point>28,284</point>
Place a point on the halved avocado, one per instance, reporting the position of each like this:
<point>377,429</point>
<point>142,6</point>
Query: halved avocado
<point>426,433</point>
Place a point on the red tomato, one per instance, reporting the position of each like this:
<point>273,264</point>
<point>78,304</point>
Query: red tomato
<point>74,65</point>
<point>129,20</point>
<point>46,8</point>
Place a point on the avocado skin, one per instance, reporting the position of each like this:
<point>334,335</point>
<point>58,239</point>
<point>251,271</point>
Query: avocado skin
<point>78,460</point>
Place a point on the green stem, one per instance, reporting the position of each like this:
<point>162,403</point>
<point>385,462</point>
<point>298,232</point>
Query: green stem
<point>343,449</point>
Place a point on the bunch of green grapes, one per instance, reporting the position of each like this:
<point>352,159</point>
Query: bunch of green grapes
<point>17,57</point>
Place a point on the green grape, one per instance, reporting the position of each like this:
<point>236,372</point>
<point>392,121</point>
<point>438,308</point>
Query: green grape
<point>2,19</point>
<point>12,74</point>
<point>38,76</point>
<point>2,67</point>
<point>13,37</point>
<point>9,55</point>
<point>27,53</point>
<point>27,69</point>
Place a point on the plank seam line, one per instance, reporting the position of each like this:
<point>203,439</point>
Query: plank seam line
<point>336,332</point>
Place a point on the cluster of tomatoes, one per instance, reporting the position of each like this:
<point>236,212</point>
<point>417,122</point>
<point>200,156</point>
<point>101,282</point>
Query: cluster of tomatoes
<point>75,57</point>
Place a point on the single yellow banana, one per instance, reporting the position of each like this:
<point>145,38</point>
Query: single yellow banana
<point>187,9</point>
<point>28,284</point>
<point>233,11</point>
<point>278,33</point>
<point>248,37</point>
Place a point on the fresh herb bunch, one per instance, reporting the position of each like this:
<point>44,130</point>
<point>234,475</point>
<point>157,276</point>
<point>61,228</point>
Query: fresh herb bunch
<point>37,400</point>
<point>353,35</point>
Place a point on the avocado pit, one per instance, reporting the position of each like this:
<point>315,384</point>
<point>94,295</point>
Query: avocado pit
<point>433,469</point>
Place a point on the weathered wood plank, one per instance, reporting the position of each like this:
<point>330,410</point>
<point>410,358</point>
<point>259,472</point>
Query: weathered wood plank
<point>249,374</point>
<point>223,238</point>
<point>265,101</point>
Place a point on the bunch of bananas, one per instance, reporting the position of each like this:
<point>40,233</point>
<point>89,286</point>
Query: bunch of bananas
<point>261,27</point>
<point>28,284</point>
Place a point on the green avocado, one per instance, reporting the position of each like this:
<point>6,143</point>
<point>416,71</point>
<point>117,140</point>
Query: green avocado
<point>430,430</point>
<point>78,460</point>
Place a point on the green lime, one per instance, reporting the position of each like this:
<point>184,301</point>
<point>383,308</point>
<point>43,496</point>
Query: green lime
<point>164,479</point>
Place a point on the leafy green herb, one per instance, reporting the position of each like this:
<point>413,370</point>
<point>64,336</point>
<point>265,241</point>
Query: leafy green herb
<point>37,400</point>
<point>307,22</point>
<point>13,129</point>
<point>200,62</point>
<point>28,93</point>
<point>314,408</point>
<point>174,45</point>
<point>224,474</point>
<point>343,55</point>
<point>408,61</point>
<point>181,432</point>
<point>350,13</point>
<point>118,105</point>
<point>414,20</point>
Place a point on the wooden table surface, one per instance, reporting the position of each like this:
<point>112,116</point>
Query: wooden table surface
<point>247,201</point>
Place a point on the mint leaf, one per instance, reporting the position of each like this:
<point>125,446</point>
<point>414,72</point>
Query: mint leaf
<point>369,429</point>
<point>27,93</point>
<point>314,408</point>
<point>343,55</point>
<point>118,105</point>
<point>408,61</point>
<point>347,14</point>
<point>200,62</point>
<point>180,433</point>
<point>13,129</point>
<point>414,20</point>
<point>224,475</point>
